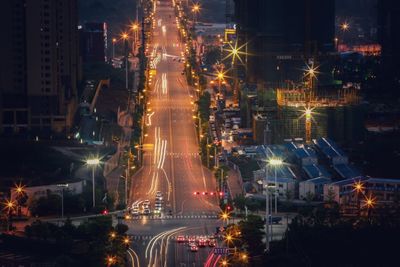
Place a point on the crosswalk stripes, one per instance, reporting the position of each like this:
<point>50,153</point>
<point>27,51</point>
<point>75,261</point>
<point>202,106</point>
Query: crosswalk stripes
<point>173,217</point>
<point>193,154</point>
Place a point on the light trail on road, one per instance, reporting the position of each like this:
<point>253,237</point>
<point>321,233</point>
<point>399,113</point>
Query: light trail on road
<point>134,257</point>
<point>151,244</point>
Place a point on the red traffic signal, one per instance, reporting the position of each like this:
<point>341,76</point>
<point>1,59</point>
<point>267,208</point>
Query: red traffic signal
<point>221,194</point>
<point>228,207</point>
<point>104,212</point>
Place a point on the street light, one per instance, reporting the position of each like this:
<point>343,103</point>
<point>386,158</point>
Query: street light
<point>113,235</point>
<point>135,29</point>
<point>345,26</point>
<point>62,198</point>
<point>9,206</point>
<point>111,260</point>
<point>19,189</point>
<point>195,11</point>
<point>276,163</point>
<point>114,40</point>
<point>224,262</point>
<point>125,37</point>
<point>93,162</point>
<point>225,216</point>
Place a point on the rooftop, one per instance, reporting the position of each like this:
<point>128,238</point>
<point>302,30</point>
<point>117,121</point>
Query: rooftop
<point>318,180</point>
<point>305,152</point>
<point>315,171</point>
<point>346,171</point>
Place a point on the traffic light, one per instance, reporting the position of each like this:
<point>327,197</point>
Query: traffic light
<point>228,208</point>
<point>104,212</point>
<point>221,194</point>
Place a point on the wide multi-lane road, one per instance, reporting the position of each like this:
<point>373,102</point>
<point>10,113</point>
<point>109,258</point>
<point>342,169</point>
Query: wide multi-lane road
<point>171,161</point>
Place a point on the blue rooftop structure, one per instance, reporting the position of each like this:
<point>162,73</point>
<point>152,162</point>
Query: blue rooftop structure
<point>274,151</point>
<point>319,180</point>
<point>315,171</point>
<point>281,172</point>
<point>306,156</point>
<point>330,149</point>
<point>346,171</point>
<point>290,146</point>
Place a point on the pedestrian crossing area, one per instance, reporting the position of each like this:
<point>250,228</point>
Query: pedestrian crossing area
<point>178,109</point>
<point>174,217</point>
<point>194,154</point>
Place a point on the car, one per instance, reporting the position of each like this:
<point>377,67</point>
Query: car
<point>212,243</point>
<point>135,212</point>
<point>192,239</point>
<point>202,242</point>
<point>180,239</point>
<point>275,219</point>
<point>146,202</point>
<point>146,211</point>
<point>194,248</point>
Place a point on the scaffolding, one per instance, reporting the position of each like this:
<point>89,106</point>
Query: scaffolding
<point>304,97</point>
<point>306,100</point>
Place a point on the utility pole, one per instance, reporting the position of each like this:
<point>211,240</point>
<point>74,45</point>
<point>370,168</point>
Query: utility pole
<point>208,155</point>
<point>266,211</point>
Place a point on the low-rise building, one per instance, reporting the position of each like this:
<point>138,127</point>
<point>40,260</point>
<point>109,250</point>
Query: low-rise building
<point>382,190</point>
<point>313,188</point>
<point>74,187</point>
<point>331,151</point>
<point>305,156</point>
<point>341,191</point>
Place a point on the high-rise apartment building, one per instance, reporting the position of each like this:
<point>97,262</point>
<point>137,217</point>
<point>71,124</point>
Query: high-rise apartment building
<point>389,38</point>
<point>93,42</point>
<point>39,67</point>
<point>282,35</point>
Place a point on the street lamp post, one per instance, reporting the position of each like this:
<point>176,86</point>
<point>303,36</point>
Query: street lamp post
<point>266,210</point>
<point>62,198</point>
<point>275,162</point>
<point>9,206</point>
<point>114,40</point>
<point>93,162</point>
<point>195,10</point>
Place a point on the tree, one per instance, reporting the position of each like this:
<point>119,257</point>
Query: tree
<point>204,103</point>
<point>212,55</point>
<point>121,228</point>
<point>331,195</point>
<point>48,205</point>
<point>252,233</point>
<point>240,202</point>
<point>309,197</point>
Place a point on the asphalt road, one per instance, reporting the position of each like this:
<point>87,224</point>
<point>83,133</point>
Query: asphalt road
<point>171,163</point>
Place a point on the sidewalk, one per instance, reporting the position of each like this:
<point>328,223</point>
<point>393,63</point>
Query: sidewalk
<point>234,183</point>
<point>113,180</point>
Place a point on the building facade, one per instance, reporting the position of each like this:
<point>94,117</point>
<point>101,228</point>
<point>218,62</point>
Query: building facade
<point>281,35</point>
<point>389,38</point>
<point>40,70</point>
<point>94,40</point>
